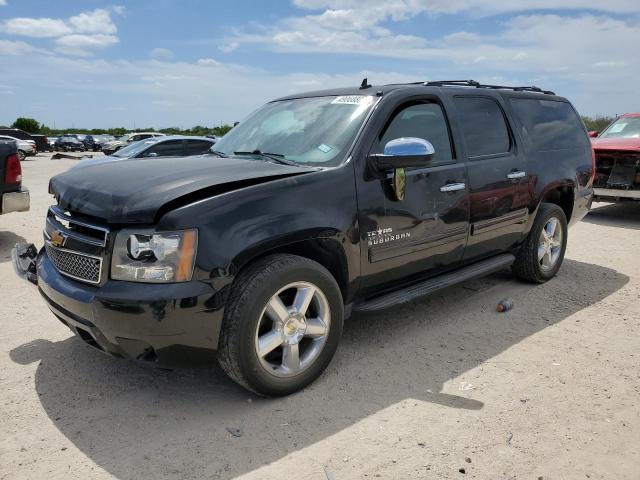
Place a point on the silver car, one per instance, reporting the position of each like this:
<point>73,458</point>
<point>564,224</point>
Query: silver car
<point>25,147</point>
<point>111,147</point>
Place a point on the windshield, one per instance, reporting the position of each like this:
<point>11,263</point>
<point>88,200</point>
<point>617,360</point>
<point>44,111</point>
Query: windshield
<point>316,130</point>
<point>124,138</point>
<point>133,149</point>
<point>625,127</point>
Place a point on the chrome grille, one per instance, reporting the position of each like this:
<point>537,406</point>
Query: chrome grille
<point>75,246</point>
<point>76,265</point>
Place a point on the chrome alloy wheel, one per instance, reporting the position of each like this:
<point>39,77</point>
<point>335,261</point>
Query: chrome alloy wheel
<point>550,244</point>
<point>292,330</point>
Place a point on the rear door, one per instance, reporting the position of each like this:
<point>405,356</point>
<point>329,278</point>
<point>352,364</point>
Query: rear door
<point>425,232</point>
<point>497,176</point>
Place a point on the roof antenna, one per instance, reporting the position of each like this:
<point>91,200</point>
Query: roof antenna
<point>364,85</point>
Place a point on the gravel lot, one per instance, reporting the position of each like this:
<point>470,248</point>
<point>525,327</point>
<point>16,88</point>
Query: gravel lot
<point>549,390</point>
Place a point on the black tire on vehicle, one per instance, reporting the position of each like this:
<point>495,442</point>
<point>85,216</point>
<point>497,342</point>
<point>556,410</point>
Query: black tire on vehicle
<point>541,255</point>
<point>22,155</point>
<point>254,322</point>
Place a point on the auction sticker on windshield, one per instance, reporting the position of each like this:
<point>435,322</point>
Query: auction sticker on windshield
<point>352,100</point>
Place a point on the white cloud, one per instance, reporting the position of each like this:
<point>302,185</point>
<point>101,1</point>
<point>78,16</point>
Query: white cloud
<point>81,44</point>
<point>153,92</point>
<point>208,62</point>
<point>3,2</point>
<point>161,53</point>
<point>119,10</point>
<point>75,36</point>
<point>36,27</point>
<point>9,47</point>
<point>97,21</point>
<point>400,9</point>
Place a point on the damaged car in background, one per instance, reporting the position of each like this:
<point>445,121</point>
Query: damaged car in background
<point>617,152</point>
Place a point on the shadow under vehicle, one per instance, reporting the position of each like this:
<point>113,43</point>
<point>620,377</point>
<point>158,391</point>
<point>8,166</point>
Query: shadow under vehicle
<point>135,421</point>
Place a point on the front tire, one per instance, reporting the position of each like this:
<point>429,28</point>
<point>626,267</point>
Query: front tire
<point>22,155</point>
<point>542,253</point>
<point>282,325</point>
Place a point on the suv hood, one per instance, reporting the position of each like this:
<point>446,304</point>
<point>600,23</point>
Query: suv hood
<point>134,190</point>
<point>616,144</point>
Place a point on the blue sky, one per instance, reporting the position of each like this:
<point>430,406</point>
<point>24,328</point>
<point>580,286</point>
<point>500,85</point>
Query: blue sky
<point>181,63</point>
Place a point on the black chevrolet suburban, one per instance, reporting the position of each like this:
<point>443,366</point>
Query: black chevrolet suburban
<point>316,206</point>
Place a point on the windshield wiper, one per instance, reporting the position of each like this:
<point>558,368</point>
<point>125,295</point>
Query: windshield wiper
<point>218,153</point>
<point>276,157</point>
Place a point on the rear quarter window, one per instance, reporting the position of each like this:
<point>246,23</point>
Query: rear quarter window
<point>548,125</point>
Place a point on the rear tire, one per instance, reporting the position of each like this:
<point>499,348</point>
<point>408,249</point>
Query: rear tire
<point>282,325</point>
<point>542,253</point>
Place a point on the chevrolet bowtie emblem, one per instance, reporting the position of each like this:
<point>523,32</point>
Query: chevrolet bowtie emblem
<point>57,239</point>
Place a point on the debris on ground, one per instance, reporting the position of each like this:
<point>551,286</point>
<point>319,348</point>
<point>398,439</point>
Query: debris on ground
<point>236,432</point>
<point>505,305</point>
<point>58,156</point>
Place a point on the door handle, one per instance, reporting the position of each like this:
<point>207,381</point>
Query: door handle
<point>516,175</point>
<point>452,187</point>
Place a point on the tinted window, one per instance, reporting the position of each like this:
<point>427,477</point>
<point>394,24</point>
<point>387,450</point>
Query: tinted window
<point>136,138</point>
<point>426,121</point>
<point>172,148</point>
<point>198,147</point>
<point>483,126</point>
<point>548,125</point>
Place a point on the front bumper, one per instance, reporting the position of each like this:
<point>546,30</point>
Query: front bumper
<point>616,194</point>
<point>15,202</point>
<point>164,323</point>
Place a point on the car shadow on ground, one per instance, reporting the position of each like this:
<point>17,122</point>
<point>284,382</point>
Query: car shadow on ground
<point>7,242</point>
<point>136,421</point>
<point>619,215</point>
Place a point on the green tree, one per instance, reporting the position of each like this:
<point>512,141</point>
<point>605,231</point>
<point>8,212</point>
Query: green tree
<point>598,123</point>
<point>30,125</point>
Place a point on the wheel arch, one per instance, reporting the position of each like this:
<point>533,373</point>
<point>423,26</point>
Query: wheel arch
<point>325,248</point>
<point>561,195</point>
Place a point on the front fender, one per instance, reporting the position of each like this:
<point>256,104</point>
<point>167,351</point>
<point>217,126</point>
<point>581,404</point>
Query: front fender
<point>236,227</point>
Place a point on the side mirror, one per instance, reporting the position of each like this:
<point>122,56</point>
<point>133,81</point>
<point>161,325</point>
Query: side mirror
<point>593,133</point>
<point>151,154</point>
<point>403,153</point>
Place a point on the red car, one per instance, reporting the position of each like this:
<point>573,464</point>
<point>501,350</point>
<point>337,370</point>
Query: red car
<point>617,151</point>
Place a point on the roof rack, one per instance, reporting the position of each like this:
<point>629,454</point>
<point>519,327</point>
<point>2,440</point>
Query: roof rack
<point>473,83</point>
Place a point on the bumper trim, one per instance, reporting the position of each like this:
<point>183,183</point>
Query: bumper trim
<point>616,193</point>
<point>23,258</point>
<point>15,202</point>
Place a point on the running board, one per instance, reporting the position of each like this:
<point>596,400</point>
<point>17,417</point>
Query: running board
<point>408,294</point>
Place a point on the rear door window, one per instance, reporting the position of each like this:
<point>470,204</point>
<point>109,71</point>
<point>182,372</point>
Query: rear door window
<point>198,147</point>
<point>172,148</point>
<point>548,125</point>
<point>483,126</point>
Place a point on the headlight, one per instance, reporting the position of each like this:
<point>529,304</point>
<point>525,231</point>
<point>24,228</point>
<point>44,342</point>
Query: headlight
<point>154,257</point>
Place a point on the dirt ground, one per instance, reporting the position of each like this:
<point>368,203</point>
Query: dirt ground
<point>433,389</point>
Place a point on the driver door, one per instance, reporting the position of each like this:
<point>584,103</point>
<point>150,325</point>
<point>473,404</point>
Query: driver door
<point>426,232</point>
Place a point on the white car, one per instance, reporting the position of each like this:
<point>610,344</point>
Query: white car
<point>25,147</point>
